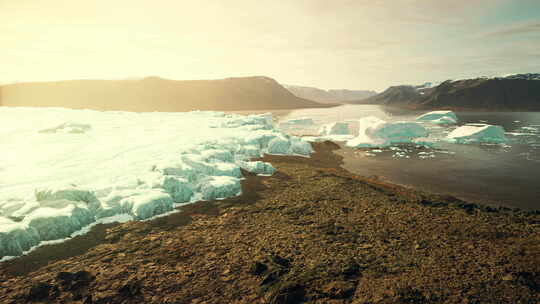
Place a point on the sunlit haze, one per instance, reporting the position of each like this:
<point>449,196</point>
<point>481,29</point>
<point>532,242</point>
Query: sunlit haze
<point>329,44</point>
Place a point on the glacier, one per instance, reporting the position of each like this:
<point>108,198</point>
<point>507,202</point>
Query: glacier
<point>64,170</point>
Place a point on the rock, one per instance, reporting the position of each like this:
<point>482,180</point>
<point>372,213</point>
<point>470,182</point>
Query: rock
<point>40,291</point>
<point>258,268</point>
<point>73,281</point>
<point>280,261</point>
<point>130,289</point>
<point>288,293</point>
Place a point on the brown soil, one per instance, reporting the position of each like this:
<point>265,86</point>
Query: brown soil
<point>311,233</point>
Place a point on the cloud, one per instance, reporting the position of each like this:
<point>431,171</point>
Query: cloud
<point>520,29</point>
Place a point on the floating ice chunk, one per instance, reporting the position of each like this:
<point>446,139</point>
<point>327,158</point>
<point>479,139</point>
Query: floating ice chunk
<point>258,167</point>
<point>477,133</point>
<point>279,145</point>
<point>398,132</point>
<point>439,117</point>
<point>217,187</point>
<point>68,127</point>
<point>336,128</point>
<point>532,129</point>
<point>400,155</point>
<point>376,133</point>
<point>424,155</point>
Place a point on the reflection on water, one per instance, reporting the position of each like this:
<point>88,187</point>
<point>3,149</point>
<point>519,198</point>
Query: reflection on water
<point>496,174</point>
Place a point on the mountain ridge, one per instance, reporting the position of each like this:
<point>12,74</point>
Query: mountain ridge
<point>328,96</point>
<point>156,94</point>
<point>519,92</point>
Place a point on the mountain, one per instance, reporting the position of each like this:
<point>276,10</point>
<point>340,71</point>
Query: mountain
<point>327,96</point>
<point>156,94</point>
<point>519,92</point>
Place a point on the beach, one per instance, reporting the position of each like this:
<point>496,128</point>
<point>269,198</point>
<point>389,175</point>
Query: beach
<point>311,233</point>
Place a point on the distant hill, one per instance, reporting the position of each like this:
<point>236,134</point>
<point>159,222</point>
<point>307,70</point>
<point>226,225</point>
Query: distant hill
<point>510,93</point>
<point>328,96</point>
<point>156,94</point>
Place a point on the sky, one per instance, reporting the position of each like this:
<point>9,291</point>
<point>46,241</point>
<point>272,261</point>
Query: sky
<point>352,44</point>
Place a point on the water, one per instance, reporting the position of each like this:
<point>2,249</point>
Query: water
<point>502,174</point>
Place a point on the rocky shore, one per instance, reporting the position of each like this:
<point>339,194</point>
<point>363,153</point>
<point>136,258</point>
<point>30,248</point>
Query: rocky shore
<point>311,233</point>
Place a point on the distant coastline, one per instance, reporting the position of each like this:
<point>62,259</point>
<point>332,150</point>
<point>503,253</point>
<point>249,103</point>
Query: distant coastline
<point>156,94</point>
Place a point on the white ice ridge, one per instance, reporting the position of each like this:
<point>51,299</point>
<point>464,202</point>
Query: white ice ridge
<point>62,170</point>
<point>377,133</point>
<point>477,133</point>
<point>439,117</point>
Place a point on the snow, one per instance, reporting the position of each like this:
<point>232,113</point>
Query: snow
<point>477,133</point>
<point>439,117</point>
<point>335,128</point>
<point>65,170</point>
<point>377,133</point>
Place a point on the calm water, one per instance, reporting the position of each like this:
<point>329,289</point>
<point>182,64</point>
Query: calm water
<point>506,174</point>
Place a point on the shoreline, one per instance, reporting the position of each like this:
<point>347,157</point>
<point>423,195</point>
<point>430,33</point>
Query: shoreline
<point>268,222</point>
<point>465,197</point>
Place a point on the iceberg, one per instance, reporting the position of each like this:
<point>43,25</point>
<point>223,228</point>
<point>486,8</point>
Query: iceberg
<point>377,133</point>
<point>57,181</point>
<point>439,117</point>
<point>477,133</point>
<point>336,128</point>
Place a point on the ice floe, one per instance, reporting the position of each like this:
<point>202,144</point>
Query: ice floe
<point>439,117</point>
<point>477,133</point>
<point>377,133</point>
<point>63,170</point>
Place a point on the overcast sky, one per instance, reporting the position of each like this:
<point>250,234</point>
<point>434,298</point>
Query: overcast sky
<point>354,44</point>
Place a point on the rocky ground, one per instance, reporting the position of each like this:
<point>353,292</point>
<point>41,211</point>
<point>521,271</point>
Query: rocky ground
<point>311,233</point>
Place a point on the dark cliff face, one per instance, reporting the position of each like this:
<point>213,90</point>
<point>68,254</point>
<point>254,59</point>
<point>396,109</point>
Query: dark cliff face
<point>156,94</point>
<point>470,94</point>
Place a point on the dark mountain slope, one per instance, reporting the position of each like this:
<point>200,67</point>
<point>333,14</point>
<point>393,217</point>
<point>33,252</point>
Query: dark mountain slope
<point>491,94</point>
